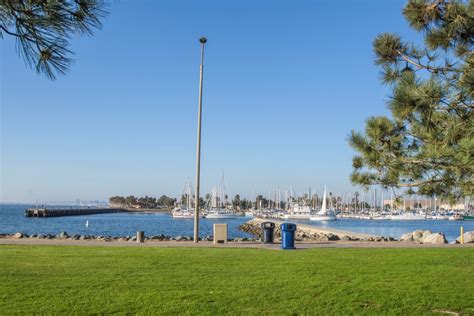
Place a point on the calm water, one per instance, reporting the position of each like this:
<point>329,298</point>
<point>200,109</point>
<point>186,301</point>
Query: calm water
<point>12,220</point>
<point>396,229</point>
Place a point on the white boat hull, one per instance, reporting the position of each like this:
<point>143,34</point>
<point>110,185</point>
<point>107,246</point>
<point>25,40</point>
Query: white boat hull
<point>185,214</point>
<point>322,218</point>
<point>407,217</point>
<point>222,215</point>
<point>380,218</point>
<point>296,216</point>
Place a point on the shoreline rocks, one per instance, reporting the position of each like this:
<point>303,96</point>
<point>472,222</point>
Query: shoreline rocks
<point>153,238</point>
<point>468,238</point>
<point>304,233</point>
<point>424,237</point>
<point>436,238</point>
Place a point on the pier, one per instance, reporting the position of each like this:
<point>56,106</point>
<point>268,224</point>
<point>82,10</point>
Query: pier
<point>56,212</point>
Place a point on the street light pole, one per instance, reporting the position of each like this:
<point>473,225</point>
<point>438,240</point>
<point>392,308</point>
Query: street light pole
<point>203,41</point>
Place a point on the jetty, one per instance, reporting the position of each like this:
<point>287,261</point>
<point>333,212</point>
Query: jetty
<point>56,212</point>
<point>304,230</point>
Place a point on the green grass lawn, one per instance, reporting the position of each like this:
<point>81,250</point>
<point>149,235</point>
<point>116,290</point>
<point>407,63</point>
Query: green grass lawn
<point>149,280</point>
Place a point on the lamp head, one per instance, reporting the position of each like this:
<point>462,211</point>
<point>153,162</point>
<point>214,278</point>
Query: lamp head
<point>203,40</point>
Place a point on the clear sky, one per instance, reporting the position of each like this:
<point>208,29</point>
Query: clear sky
<point>285,82</point>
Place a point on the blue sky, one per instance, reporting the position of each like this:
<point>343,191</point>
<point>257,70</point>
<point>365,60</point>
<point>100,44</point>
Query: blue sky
<point>285,82</point>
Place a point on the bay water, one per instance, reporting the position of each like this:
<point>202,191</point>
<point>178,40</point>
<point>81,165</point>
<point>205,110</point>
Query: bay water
<point>12,220</point>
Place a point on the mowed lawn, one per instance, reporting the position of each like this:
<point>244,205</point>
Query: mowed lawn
<point>149,280</point>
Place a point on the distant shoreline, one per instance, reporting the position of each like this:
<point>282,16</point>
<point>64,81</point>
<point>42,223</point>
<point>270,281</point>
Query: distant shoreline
<point>153,210</point>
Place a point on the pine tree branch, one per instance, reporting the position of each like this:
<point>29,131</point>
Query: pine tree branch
<point>419,65</point>
<point>43,29</point>
<point>9,32</point>
<point>417,184</point>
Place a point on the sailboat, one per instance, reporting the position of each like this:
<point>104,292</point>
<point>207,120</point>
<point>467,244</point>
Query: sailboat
<point>297,209</point>
<point>381,216</point>
<point>406,216</point>
<point>218,203</point>
<point>185,212</point>
<point>324,214</point>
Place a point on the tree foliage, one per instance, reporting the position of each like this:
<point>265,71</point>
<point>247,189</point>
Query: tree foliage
<point>427,145</point>
<point>236,201</point>
<point>142,202</point>
<point>43,29</point>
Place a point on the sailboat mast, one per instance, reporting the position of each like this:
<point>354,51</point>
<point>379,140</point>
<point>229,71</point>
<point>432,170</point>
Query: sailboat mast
<point>189,196</point>
<point>381,204</point>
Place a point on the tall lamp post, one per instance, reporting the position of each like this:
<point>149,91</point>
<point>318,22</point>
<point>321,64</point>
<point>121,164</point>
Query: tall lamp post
<point>203,41</point>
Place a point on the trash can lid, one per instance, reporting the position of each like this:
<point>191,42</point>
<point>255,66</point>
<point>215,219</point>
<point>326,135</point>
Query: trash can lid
<point>268,225</point>
<point>288,227</point>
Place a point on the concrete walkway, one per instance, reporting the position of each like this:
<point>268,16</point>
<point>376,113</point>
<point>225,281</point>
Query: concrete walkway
<point>208,244</point>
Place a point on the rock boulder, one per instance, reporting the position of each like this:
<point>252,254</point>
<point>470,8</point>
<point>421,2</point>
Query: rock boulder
<point>407,237</point>
<point>416,236</point>
<point>436,238</point>
<point>468,238</point>
<point>420,235</point>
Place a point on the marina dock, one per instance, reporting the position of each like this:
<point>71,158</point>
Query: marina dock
<point>56,212</point>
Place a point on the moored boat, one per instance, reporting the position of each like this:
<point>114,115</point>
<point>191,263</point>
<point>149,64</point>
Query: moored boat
<point>408,216</point>
<point>185,212</point>
<point>380,218</point>
<point>298,212</point>
<point>324,214</point>
<point>221,213</point>
<point>456,217</point>
<point>218,207</point>
<point>249,214</point>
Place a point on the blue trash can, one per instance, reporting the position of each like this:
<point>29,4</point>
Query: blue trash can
<point>288,235</point>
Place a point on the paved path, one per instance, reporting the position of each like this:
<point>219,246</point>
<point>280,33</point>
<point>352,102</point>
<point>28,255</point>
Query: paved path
<point>208,244</point>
